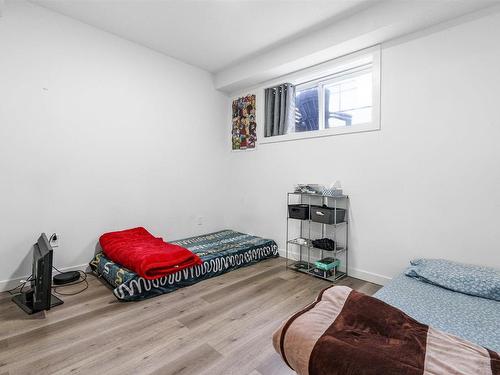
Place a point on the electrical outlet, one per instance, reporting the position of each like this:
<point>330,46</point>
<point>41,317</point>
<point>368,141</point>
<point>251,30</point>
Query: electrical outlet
<point>54,240</point>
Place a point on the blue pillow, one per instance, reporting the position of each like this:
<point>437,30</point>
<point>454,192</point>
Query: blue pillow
<point>464,278</point>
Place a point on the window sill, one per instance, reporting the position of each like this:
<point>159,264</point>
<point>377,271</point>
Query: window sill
<point>362,128</point>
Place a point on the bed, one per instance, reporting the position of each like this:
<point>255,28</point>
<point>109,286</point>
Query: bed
<point>221,252</point>
<point>473,318</point>
<point>438,317</point>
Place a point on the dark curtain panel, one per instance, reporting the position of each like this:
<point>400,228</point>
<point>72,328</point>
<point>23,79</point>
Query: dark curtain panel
<point>279,109</point>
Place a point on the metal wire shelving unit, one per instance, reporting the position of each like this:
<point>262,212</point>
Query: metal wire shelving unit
<point>308,228</point>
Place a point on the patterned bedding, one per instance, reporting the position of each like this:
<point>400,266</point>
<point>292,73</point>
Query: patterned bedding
<point>479,281</point>
<point>221,252</point>
<point>474,318</point>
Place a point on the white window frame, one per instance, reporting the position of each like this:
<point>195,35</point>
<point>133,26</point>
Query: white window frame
<point>309,78</point>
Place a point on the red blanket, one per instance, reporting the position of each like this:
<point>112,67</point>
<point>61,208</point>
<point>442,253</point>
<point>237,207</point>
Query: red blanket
<point>146,255</point>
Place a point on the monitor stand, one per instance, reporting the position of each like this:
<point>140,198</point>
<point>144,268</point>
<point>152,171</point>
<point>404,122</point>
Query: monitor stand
<point>25,302</point>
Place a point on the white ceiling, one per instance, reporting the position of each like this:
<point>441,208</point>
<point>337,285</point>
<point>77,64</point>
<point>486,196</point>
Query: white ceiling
<point>386,21</point>
<point>211,34</point>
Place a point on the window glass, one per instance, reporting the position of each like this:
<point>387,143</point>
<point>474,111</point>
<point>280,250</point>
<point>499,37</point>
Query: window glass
<point>348,101</point>
<point>306,110</point>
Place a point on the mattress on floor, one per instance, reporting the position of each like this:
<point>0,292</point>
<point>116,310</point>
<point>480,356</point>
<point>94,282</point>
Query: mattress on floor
<point>473,318</point>
<point>221,252</point>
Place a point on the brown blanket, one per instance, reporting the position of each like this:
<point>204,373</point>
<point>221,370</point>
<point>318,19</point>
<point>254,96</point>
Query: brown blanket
<point>346,332</point>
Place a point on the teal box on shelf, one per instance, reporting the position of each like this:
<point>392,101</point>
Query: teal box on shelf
<point>327,264</point>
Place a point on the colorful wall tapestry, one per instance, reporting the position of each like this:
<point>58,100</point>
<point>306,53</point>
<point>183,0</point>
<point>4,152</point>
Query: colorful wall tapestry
<point>244,129</point>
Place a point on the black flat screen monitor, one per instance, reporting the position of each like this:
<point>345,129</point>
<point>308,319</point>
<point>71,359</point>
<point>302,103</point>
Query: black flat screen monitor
<point>39,297</point>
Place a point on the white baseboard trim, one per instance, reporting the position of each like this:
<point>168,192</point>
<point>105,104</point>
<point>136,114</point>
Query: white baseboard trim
<point>369,276</point>
<point>12,283</point>
<point>354,272</point>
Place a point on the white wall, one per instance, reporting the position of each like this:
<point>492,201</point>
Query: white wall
<point>99,134</point>
<point>426,185</point>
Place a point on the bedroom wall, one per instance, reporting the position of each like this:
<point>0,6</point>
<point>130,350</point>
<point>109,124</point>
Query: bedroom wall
<point>426,184</point>
<point>99,134</point>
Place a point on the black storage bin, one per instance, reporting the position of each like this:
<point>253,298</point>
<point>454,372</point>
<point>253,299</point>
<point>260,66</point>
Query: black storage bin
<point>298,211</point>
<point>326,215</point>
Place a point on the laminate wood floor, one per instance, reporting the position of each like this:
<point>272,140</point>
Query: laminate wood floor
<point>219,326</point>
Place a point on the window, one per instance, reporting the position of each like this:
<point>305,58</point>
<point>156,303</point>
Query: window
<point>341,96</point>
<point>348,100</point>
<point>339,100</point>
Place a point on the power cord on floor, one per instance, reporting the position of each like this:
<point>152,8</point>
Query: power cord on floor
<point>55,288</point>
<point>83,279</point>
<point>20,287</point>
